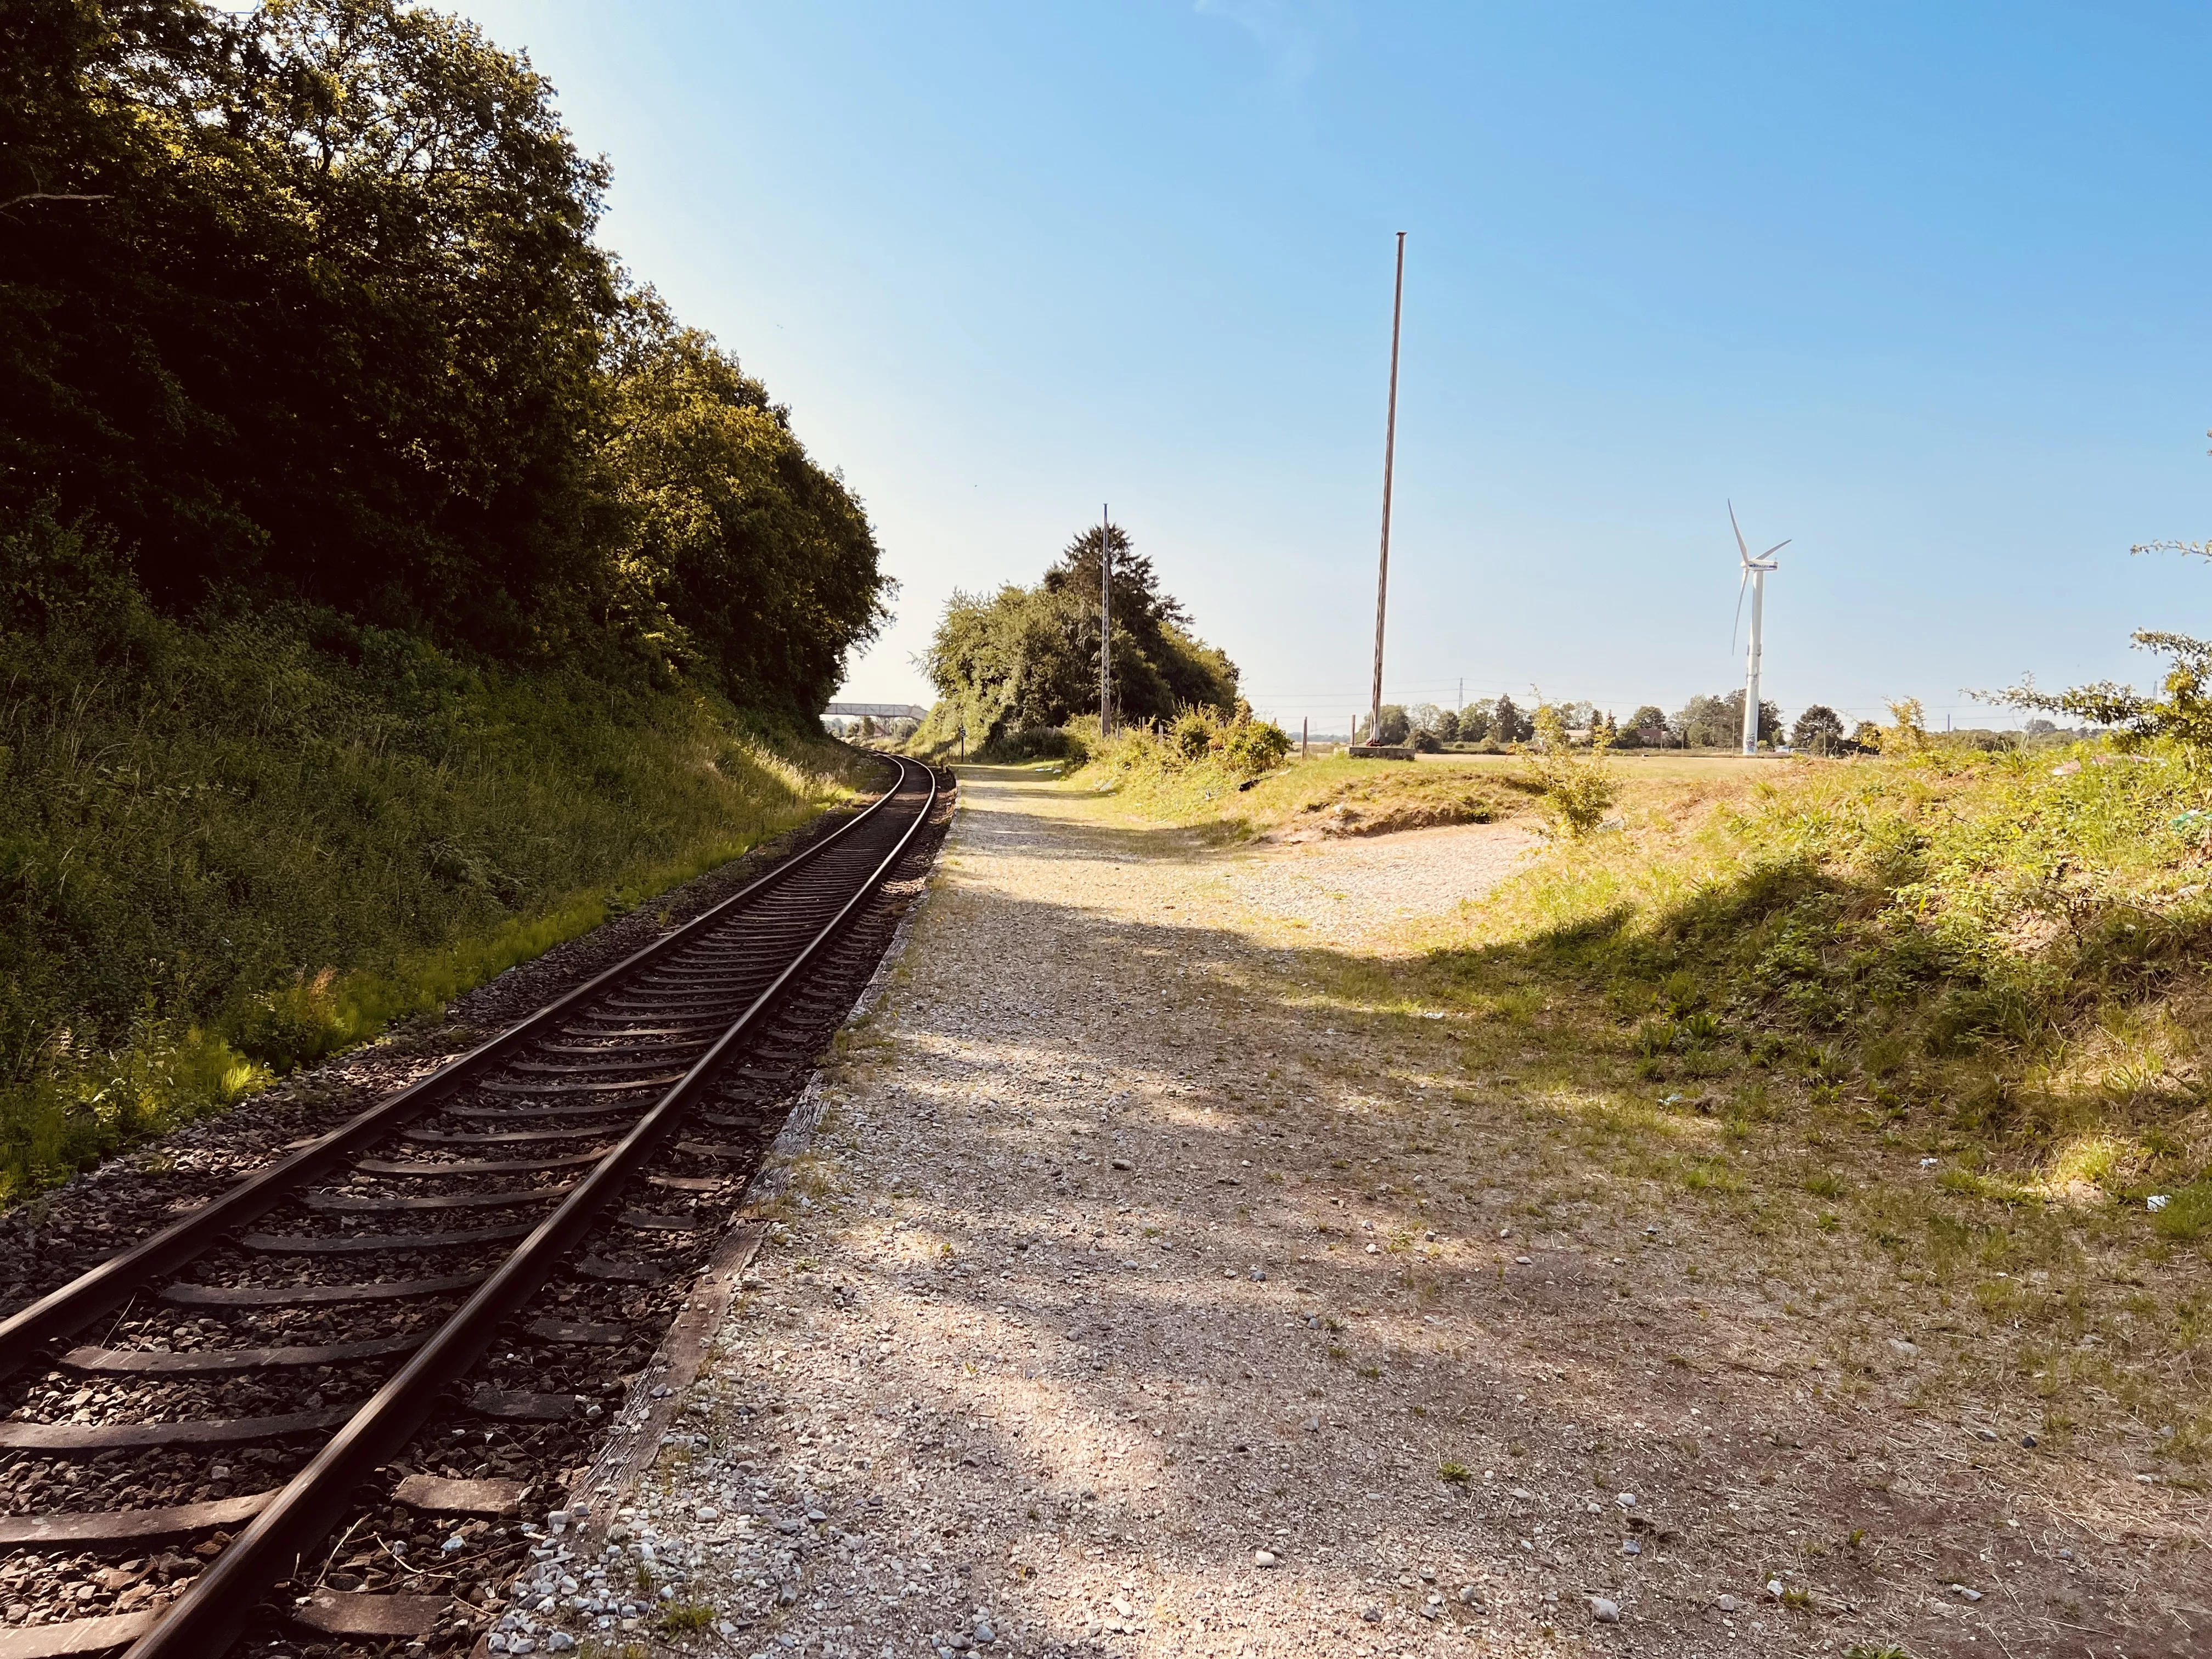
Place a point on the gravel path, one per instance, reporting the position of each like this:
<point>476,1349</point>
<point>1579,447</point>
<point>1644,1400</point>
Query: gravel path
<point>1366,893</point>
<point>1123,1307</point>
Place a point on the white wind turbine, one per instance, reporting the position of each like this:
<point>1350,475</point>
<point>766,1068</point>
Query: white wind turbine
<point>1754,573</point>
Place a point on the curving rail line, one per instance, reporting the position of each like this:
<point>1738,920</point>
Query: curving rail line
<point>507,1157</point>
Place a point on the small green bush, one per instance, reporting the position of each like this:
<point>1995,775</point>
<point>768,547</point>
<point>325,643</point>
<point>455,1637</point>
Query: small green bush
<point>1578,790</point>
<point>686,1618</point>
<point>1034,742</point>
<point>1201,755</point>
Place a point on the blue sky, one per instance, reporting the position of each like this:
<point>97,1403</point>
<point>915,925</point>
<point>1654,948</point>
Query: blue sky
<point>1922,288</point>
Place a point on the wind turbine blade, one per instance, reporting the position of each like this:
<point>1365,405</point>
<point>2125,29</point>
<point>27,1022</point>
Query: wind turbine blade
<point>1741,546</point>
<point>1740,584</point>
<point>1778,547</point>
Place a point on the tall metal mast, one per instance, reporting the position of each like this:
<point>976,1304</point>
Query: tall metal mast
<point>1754,576</point>
<point>1751,676</point>
<point>1390,463</point>
<point>1105,620</point>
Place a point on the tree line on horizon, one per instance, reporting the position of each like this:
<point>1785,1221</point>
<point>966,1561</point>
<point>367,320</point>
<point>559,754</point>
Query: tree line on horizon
<point>301,307</point>
<point>1703,722</point>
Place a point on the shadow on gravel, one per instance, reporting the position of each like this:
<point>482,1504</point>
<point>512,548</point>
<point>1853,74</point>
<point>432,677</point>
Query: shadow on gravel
<point>1273,1256</point>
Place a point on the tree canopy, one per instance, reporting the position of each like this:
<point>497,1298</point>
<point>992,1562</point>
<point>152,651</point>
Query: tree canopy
<point>305,306</point>
<point>1819,729</point>
<point>1026,659</point>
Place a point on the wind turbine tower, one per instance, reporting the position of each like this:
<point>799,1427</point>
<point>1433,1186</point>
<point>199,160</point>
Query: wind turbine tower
<point>1754,574</point>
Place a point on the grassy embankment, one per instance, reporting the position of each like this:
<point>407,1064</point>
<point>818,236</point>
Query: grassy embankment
<point>1321,796</point>
<point>232,848</point>
<point>1933,1029</point>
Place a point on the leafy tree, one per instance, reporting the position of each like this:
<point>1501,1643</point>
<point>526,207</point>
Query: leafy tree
<point>1026,659</point>
<point>1717,722</point>
<point>1649,725</point>
<point>1473,723</point>
<point>1397,724</point>
<point>1447,725</point>
<point>2183,715</point>
<point>739,555</point>
<point>305,305</point>
<point>330,328</point>
<point>1708,723</point>
<point>1819,730</point>
<point>1508,724</point>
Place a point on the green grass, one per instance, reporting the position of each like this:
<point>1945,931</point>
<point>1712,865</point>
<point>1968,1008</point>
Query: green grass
<point>1323,795</point>
<point>232,848</point>
<point>2009,954</point>
<point>1931,1032</point>
<point>1928,1033</point>
<point>686,1618</point>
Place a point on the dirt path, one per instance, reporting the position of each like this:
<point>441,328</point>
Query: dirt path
<point>1154,1296</point>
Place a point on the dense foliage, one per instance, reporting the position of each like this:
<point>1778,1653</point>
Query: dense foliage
<point>233,845</point>
<point>1025,660</point>
<point>388,586</point>
<point>303,306</point>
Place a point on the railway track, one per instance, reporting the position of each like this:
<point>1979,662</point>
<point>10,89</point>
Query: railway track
<point>399,1330</point>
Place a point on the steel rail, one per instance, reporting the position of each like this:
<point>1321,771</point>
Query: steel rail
<point>71,1307</point>
<point>210,1615</point>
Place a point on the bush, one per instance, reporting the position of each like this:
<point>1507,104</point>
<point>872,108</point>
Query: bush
<point>1035,743</point>
<point>1202,753</point>
<point>1192,734</point>
<point>1578,789</point>
<point>1249,747</point>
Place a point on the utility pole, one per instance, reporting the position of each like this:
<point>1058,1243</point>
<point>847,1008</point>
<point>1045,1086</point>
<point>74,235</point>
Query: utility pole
<point>1389,462</point>
<point>1306,735</point>
<point>1105,621</point>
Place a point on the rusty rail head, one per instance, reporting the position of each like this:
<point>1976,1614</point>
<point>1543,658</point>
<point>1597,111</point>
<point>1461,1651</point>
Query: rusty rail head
<point>69,1308</point>
<point>208,1618</point>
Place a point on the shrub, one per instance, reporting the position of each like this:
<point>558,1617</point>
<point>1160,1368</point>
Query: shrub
<point>1200,754</point>
<point>1250,747</point>
<point>1578,789</point>
<point>1192,733</point>
<point>1035,743</point>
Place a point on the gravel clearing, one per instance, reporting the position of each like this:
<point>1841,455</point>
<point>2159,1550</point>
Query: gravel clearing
<point>1118,1308</point>
<point>1375,894</point>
